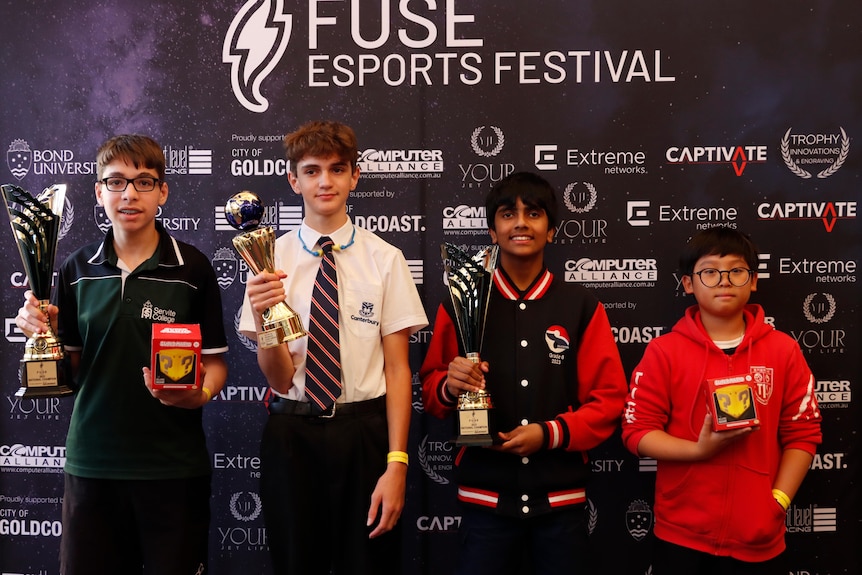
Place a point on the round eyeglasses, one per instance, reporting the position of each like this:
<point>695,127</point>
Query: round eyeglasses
<point>142,184</point>
<point>711,277</point>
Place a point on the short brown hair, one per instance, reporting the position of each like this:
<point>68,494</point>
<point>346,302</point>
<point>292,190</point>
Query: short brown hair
<point>321,139</point>
<point>135,149</point>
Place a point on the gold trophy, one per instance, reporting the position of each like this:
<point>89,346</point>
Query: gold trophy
<point>470,281</point>
<point>36,227</point>
<point>243,211</point>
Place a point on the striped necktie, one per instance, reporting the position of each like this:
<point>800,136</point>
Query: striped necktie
<point>323,364</point>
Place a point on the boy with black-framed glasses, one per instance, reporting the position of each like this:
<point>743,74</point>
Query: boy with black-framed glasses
<point>137,474</point>
<point>721,496</point>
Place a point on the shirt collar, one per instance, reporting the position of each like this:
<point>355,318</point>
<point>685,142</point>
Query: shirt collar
<point>339,237</point>
<point>537,289</point>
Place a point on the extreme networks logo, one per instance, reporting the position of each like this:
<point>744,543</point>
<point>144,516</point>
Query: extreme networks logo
<point>547,157</point>
<point>638,215</point>
<point>737,156</point>
<point>799,150</point>
<point>46,457</point>
<point>436,47</point>
<point>627,272</point>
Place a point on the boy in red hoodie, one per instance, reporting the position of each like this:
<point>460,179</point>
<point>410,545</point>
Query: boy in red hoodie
<point>721,497</point>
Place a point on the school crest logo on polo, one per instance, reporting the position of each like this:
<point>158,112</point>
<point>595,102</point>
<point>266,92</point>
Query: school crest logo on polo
<point>367,309</point>
<point>762,383</point>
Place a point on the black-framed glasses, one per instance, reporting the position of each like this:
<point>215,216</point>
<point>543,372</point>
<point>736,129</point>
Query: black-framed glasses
<point>711,277</point>
<point>142,183</point>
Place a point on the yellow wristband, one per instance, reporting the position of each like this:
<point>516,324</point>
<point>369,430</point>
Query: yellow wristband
<point>782,498</point>
<point>208,393</point>
<point>399,456</point>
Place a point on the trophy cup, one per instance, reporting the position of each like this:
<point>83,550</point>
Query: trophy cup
<point>36,227</point>
<point>243,211</point>
<point>470,283</point>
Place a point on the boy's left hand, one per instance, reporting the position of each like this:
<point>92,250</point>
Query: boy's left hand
<point>191,398</point>
<point>387,500</point>
<point>523,440</point>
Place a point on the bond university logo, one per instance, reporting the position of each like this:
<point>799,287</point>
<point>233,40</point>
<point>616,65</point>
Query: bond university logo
<point>638,519</point>
<point>226,265</point>
<point>254,44</point>
<point>19,158</point>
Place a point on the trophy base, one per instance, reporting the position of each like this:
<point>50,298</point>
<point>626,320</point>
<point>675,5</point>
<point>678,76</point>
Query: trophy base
<point>46,378</point>
<point>281,324</point>
<point>483,440</point>
<point>476,428</point>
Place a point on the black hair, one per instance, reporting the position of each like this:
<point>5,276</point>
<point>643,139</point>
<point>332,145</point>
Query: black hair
<point>534,190</point>
<point>720,241</point>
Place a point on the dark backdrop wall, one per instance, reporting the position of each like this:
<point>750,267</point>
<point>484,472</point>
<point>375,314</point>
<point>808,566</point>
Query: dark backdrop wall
<point>652,119</point>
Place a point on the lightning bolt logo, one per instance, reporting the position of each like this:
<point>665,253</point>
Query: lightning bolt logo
<point>253,46</point>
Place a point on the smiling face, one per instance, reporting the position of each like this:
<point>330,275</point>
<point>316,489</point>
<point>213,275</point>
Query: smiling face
<point>724,300</point>
<point>521,231</point>
<point>130,211</point>
<point>324,183</point>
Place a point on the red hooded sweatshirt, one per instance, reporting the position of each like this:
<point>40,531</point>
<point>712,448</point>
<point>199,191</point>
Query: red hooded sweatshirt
<point>724,505</point>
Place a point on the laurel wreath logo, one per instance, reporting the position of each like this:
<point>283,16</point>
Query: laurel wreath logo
<point>239,516</point>
<point>248,343</point>
<point>806,308</point>
<point>67,220</point>
<point>567,198</point>
<point>423,462</point>
<point>805,174</point>
<point>474,142</point>
<point>593,516</point>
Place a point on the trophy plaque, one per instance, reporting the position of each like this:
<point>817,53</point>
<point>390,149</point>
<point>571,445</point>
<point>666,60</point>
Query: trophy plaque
<point>36,227</point>
<point>470,280</point>
<point>256,245</point>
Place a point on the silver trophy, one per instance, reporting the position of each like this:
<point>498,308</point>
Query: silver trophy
<point>243,211</point>
<point>470,280</point>
<point>36,227</point>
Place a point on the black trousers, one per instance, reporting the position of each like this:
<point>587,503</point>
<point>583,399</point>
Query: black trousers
<point>317,476</point>
<point>149,527</point>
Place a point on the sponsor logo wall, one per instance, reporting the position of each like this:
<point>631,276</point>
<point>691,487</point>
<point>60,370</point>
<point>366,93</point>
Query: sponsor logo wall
<point>652,120</point>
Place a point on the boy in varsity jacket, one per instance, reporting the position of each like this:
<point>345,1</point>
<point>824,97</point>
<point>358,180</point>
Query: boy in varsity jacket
<point>721,496</point>
<point>554,373</point>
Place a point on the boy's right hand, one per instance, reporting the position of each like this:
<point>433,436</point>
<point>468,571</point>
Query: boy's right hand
<point>710,442</point>
<point>464,375</point>
<point>265,290</point>
<point>30,318</point>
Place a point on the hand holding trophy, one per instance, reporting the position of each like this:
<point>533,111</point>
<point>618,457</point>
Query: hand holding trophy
<point>36,227</point>
<point>470,281</point>
<point>243,211</point>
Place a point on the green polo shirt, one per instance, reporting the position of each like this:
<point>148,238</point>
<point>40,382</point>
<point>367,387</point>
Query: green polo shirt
<point>118,430</point>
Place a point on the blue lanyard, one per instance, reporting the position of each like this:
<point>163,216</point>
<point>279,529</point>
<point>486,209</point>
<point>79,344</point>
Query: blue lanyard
<point>319,253</point>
